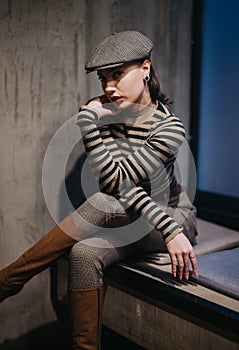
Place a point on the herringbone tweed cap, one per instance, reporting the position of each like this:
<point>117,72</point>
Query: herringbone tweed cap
<point>117,49</point>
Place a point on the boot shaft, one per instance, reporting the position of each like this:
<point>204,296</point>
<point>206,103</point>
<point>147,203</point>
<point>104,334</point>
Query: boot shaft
<point>36,259</point>
<point>86,311</point>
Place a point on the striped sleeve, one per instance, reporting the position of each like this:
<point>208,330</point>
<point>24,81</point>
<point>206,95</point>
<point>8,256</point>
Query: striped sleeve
<point>153,155</point>
<point>139,200</point>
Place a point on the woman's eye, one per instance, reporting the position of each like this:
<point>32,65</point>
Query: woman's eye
<point>117,74</point>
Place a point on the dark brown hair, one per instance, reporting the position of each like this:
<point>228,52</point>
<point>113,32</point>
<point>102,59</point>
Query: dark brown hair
<point>154,85</point>
<point>155,90</point>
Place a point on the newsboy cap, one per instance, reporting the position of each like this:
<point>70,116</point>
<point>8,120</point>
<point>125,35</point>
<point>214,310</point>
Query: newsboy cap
<point>117,49</point>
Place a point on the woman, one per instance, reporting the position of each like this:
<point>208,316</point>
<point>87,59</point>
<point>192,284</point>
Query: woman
<point>131,140</point>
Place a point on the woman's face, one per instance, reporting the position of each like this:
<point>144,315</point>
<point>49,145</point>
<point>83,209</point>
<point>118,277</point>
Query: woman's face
<point>126,83</point>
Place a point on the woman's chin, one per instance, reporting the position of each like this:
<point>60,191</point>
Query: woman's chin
<point>121,104</point>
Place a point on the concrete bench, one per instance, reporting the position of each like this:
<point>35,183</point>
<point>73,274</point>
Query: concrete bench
<point>146,305</point>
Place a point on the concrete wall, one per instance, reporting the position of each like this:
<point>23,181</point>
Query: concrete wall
<point>43,45</point>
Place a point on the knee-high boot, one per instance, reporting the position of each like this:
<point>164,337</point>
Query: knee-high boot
<point>48,249</point>
<point>86,312</point>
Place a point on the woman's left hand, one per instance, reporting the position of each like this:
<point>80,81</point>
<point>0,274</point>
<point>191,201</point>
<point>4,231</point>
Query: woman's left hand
<point>181,253</point>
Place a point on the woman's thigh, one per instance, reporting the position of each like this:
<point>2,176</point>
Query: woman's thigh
<point>87,261</point>
<point>103,223</point>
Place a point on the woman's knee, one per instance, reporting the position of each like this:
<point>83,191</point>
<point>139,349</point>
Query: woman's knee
<point>98,211</point>
<point>83,254</point>
<point>85,267</point>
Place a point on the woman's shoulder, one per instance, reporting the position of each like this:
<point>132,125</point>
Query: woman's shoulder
<point>164,109</point>
<point>163,114</point>
<point>163,117</point>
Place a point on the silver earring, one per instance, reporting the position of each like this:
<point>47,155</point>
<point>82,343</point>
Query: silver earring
<point>147,77</point>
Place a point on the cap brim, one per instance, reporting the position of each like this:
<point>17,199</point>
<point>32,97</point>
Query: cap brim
<point>89,70</point>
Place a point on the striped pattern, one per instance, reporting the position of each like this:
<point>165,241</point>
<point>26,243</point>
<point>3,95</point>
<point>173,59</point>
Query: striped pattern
<point>135,162</point>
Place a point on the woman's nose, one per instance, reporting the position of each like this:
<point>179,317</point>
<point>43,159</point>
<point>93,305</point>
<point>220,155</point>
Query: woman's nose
<point>110,85</point>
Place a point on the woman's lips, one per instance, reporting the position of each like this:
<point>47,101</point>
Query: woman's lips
<point>116,99</point>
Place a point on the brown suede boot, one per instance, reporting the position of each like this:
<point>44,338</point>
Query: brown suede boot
<point>51,247</point>
<point>86,312</point>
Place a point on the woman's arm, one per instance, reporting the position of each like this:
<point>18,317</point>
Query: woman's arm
<point>158,151</point>
<point>123,179</point>
<point>139,200</point>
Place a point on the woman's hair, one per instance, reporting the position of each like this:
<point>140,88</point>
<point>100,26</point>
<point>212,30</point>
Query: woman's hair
<point>155,90</point>
<point>154,87</point>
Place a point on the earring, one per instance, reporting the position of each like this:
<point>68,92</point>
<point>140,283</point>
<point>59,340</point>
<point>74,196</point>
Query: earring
<point>147,77</point>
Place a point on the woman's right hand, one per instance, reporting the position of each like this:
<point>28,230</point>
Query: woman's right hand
<point>181,253</point>
<point>102,106</point>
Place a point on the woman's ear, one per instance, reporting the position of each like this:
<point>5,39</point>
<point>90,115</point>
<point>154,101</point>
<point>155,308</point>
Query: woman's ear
<point>146,67</point>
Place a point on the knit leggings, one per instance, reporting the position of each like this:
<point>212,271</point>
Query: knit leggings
<point>102,213</point>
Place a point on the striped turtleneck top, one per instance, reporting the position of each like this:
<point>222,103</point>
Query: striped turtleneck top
<point>133,159</point>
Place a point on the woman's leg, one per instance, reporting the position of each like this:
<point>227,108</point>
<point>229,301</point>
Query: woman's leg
<point>51,247</point>
<point>58,242</point>
<point>87,263</point>
<point>86,267</point>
